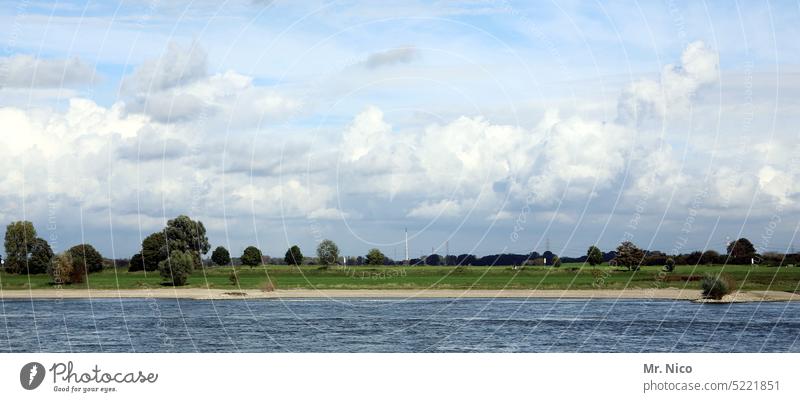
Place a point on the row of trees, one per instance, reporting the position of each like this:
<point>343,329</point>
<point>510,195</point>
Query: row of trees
<point>177,249</point>
<point>26,253</point>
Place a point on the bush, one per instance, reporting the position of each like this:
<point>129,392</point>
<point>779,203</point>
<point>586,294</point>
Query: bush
<point>715,287</point>
<point>221,256</point>
<point>293,256</point>
<point>177,267</point>
<point>269,286</point>
<point>251,256</point>
<point>234,277</point>
<point>61,269</point>
<point>670,265</point>
<point>86,257</point>
<point>557,263</point>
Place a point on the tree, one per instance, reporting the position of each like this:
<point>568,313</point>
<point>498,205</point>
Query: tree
<point>61,269</point>
<point>85,257</point>
<point>187,235</point>
<point>741,251</point>
<point>375,257</point>
<point>177,268</point>
<point>629,255</point>
<point>136,263</point>
<point>221,256</point>
<point>41,257</point>
<point>327,252</point>
<point>154,250</point>
<point>670,265</point>
<point>18,242</point>
<point>251,256</point>
<point>557,262</point>
<point>594,256</point>
<point>293,256</point>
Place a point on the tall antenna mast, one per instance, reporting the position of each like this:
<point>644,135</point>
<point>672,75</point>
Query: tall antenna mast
<point>407,261</point>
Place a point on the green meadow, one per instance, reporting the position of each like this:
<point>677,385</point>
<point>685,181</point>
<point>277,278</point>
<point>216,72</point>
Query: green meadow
<point>568,276</point>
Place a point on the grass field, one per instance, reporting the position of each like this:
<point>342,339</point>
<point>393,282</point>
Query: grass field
<point>568,276</point>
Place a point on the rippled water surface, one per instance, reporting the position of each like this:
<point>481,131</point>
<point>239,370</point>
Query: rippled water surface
<point>416,325</point>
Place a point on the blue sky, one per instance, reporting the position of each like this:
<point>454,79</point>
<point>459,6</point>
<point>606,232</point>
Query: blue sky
<point>489,125</point>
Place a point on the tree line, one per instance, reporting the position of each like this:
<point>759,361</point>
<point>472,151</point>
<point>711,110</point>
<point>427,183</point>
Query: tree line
<point>178,249</point>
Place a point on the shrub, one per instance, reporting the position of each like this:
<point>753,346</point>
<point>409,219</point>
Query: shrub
<point>86,257</point>
<point>177,267</point>
<point>251,256</point>
<point>715,287</point>
<point>670,265</point>
<point>234,277</point>
<point>269,286</point>
<point>293,256</point>
<point>61,269</point>
<point>221,256</point>
<point>557,262</point>
<point>327,252</point>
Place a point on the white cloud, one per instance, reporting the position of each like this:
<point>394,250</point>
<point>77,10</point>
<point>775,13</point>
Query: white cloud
<point>390,57</point>
<point>25,71</point>
<point>646,99</point>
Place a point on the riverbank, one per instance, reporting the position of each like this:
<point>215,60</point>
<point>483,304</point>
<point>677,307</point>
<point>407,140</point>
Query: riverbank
<point>229,294</point>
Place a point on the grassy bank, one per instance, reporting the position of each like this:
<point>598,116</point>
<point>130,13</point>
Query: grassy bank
<point>569,276</point>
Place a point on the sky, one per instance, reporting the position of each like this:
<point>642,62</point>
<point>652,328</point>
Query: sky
<point>481,127</point>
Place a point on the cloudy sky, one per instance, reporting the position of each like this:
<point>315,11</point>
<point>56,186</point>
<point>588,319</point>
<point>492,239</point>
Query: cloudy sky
<point>482,126</point>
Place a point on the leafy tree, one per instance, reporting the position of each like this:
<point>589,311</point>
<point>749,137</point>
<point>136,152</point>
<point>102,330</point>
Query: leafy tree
<point>251,256</point>
<point>41,257</point>
<point>177,268</point>
<point>61,269</point>
<point>594,256</point>
<point>327,252</point>
<point>18,243</point>
<point>375,257</point>
<point>741,251</point>
<point>136,263</point>
<point>293,256</point>
<point>557,262</point>
<point>629,255</point>
<point>85,256</point>
<point>433,259</point>
<point>187,235</point>
<point>670,265</point>
<point>221,256</point>
<point>154,250</point>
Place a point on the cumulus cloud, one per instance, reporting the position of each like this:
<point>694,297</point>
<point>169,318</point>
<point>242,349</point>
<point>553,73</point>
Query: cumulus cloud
<point>390,57</point>
<point>177,66</point>
<point>647,99</point>
<point>178,88</point>
<point>25,71</point>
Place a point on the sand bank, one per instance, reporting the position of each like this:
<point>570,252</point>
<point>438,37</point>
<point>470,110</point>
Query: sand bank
<point>223,294</point>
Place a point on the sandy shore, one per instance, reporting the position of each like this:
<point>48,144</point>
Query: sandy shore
<point>220,294</point>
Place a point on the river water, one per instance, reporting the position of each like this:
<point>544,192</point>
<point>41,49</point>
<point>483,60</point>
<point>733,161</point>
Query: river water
<point>388,325</point>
